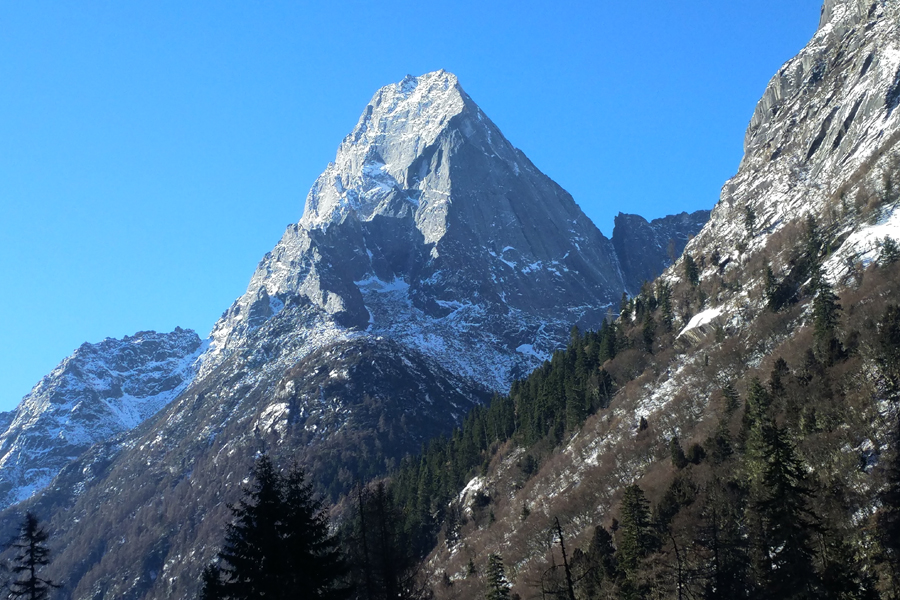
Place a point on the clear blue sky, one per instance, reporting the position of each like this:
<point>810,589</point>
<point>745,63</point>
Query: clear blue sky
<point>152,152</point>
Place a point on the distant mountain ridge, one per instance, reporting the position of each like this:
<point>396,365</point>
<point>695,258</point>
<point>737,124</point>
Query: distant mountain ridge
<point>99,391</point>
<point>645,248</point>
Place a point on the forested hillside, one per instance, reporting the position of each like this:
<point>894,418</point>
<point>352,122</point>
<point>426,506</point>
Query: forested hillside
<point>780,482</point>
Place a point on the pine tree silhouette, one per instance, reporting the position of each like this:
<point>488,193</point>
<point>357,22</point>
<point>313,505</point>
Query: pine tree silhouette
<point>278,545</point>
<point>31,554</point>
<point>784,554</point>
<point>498,586</point>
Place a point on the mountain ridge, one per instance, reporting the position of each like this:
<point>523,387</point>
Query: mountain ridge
<point>816,189</point>
<point>98,392</point>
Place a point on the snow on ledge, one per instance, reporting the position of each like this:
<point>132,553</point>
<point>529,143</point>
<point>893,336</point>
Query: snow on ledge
<point>864,245</point>
<point>701,319</point>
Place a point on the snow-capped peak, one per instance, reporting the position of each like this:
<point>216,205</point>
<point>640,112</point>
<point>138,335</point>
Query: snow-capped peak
<point>398,123</point>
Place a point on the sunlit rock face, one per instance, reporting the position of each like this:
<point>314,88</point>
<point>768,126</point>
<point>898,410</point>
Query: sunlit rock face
<point>101,390</point>
<point>432,229</point>
<point>822,141</point>
<point>433,264</point>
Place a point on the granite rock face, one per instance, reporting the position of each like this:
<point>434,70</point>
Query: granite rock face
<point>824,141</point>
<point>645,248</point>
<point>101,390</point>
<point>427,199</point>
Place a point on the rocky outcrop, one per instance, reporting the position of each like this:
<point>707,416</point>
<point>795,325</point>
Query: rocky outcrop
<point>645,249</point>
<point>99,391</point>
<point>433,264</point>
<point>823,141</point>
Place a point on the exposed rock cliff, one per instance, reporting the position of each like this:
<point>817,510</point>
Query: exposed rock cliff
<point>429,206</point>
<point>433,263</point>
<point>822,140</point>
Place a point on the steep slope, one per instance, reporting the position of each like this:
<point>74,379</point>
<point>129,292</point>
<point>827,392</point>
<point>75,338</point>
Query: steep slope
<point>645,249</point>
<point>822,141</point>
<point>817,187</point>
<point>433,264</point>
<point>429,205</point>
<point>99,391</point>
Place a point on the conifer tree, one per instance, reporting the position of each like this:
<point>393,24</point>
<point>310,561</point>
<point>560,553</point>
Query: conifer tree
<point>575,403</point>
<point>731,398</point>
<point>784,522</point>
<point>691,271</point>
<point>679,460</point>
<point>814,242</point>
<point>770,289</point>
<point>887,351</point>
<point>648,333</point>
<point>278,545</point>
<point>384,562</point>
<point>890,251</point>
<point>750,220</point>
<point>497,585</point>
<point>253,553</point>
<point>636,538</point>
<point>609,344</point>
<point>825,321</point>
<point>888,516</point>
<point>722,537</point>
<point>664,293</point>
<point>31,555</point>
<point>212,585</point>
<point>314,560</point>
<point>601,562</point>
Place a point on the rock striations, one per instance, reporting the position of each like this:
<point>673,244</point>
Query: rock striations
<point>820,142</point>
<point>101,390</point>
<point>431,229</point>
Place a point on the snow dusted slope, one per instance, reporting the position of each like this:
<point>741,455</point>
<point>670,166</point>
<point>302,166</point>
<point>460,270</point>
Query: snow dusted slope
<point>430,228</point>
<point>822,141</point>
<point>433,263</point>
<point>97,392</point>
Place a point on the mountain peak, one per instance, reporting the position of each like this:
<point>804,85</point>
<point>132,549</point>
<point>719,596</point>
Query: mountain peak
<point>398,123</point>
<point>434,81</point>
<point>428,203</point>
<point>101,390</point>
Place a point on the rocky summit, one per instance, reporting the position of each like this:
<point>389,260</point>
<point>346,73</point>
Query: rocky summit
<point>431,229</point>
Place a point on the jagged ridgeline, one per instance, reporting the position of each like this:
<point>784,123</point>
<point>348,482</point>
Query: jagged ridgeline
<point>434,265</point>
